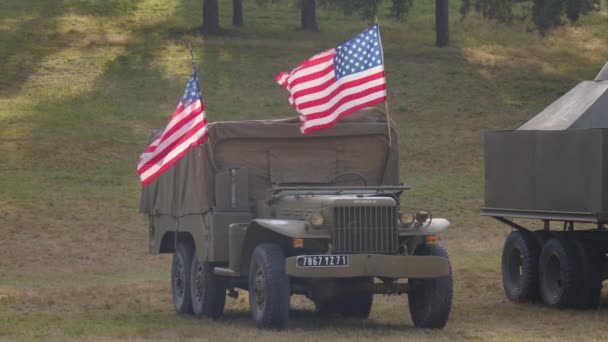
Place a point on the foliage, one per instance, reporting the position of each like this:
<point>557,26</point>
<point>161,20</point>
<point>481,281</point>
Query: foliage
<point>369,9</point>
<point>546,14</point>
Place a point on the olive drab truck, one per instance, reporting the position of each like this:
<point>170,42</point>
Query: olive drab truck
<point>260,207</point>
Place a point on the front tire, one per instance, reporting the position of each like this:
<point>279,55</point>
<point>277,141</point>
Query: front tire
<point>431,299</point>
<point>269,287</point>
<point>180,277</point>
<point>208,290</point>
<point>520,267</point>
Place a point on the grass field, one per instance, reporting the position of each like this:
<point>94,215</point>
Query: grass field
<point>83,82</point>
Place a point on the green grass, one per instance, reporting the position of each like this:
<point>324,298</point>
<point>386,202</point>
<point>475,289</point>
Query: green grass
<point>82,83</point>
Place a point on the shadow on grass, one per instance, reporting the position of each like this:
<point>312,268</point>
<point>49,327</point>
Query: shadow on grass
<point>24,43</point>
<point>301,319</point>
<point>32,32</point>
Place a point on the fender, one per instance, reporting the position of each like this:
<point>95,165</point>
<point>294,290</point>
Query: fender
<point>291,228</point>
<point>436,226</point>
<point>166,230</point>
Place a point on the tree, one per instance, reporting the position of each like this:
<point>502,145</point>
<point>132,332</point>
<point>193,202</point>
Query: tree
<point>237,13</point>
<point>211,16</point>
<point>442,23</point>
<point>545,14</point>
<point>368,9</point>
<point>308,18</point>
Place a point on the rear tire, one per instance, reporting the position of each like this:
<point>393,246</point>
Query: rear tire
<point>431,299</point>
<point>520,266</point>
<point>560,274</point>
<point>208,290</point>
<point>269,287</point>
<point>180,277</point>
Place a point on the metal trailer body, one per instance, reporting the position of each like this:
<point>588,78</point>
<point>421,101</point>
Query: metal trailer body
<point>554,169</point>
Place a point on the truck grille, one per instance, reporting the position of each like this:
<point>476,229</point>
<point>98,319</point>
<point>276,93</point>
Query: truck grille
<point>365,230</point>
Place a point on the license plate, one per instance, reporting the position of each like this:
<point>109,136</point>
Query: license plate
<point>322,260</point>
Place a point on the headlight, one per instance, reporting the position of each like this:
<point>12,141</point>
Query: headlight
<point>422,216</point>
<point>406,218</point>
<point>316,219</point>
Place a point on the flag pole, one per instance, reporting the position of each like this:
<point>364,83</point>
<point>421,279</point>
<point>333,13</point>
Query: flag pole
<point>388,115</point>
<point>199,87</point>
<point>193,63</point>
<point>388,123</point>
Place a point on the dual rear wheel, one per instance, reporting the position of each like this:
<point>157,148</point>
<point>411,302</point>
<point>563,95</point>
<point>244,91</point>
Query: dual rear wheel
<point>564,273</point>
<point>195,289</point>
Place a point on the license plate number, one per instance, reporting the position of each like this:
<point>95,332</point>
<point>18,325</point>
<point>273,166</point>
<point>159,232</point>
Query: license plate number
<point>322,260</point>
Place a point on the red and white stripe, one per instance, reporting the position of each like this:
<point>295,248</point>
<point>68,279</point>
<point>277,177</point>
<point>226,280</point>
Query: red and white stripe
<point>186,128</point>
<point>322,100</point>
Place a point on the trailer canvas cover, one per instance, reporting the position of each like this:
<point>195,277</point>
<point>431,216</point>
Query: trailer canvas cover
<point>274,152</point>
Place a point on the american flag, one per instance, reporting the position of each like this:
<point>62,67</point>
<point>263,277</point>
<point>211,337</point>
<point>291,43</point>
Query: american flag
<point>186,128</point>
<point>337,82</point>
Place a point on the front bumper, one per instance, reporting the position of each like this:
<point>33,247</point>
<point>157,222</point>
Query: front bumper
<point>375,265</point>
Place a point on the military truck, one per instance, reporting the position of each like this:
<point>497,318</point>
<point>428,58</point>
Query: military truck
<point>553,170</point>
<point>261,207</point>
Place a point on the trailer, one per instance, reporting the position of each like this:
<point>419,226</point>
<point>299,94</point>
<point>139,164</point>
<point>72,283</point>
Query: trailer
<point>548,181</point>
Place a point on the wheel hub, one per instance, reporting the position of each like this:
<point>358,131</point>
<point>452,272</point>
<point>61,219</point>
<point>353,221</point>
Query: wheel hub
<point>516,268</point>
<point>259,285</point>
<point>198,282</point>
<point>553,276</point>
<point>180,279</point>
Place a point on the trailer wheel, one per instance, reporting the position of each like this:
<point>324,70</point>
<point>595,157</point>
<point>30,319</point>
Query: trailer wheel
<point>520,266</point>
<point>560,276</point>
<point>180,277</point>
<point>208,290</point>
<point>269,287</point>
<point>431,299</point>
<point>591,267</point>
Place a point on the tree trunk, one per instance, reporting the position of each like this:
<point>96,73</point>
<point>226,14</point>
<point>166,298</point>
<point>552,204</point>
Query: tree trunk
<point>309,15</point>
<point>237,13</point>
<point>211,16</point>
<point>442,26</point>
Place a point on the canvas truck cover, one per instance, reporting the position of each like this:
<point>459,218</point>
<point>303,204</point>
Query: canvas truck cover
<point>274,152</point>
